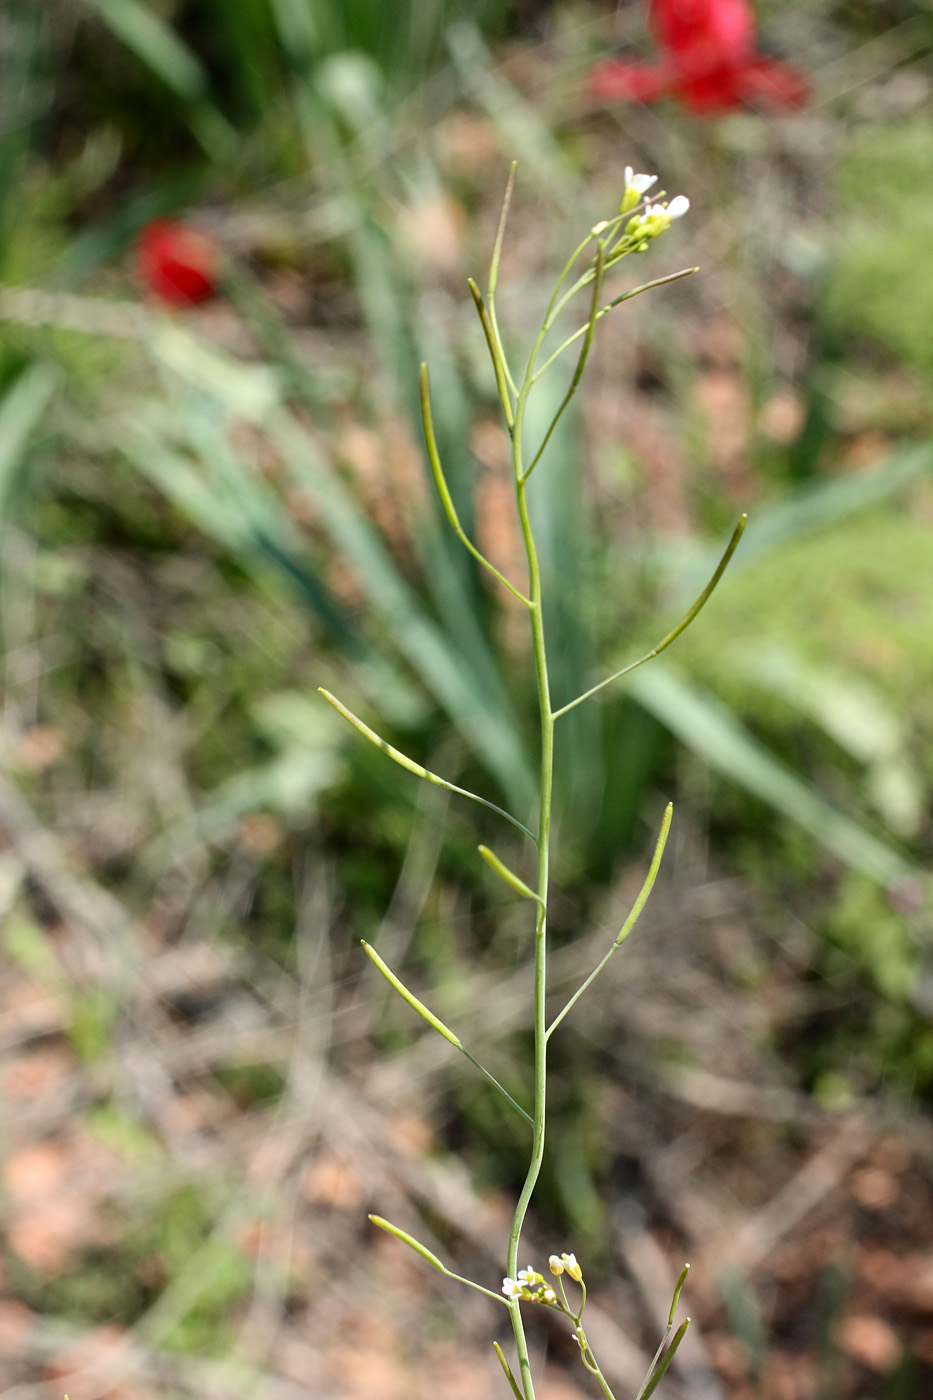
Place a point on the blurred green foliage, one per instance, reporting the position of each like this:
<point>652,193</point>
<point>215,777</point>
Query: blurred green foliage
<point>883,229</point>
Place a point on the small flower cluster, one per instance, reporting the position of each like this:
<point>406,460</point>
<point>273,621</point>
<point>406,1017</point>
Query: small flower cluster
<point>565,1263</point>
<point>656,219</point>
<point>530,1287</point>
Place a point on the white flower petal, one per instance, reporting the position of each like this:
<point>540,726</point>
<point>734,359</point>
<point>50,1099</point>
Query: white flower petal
<point>640,183</point>
<point>678,207</point>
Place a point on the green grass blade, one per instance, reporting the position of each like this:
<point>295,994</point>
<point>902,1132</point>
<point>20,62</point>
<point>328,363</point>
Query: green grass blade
<point>21,409</point>
<point>522,129</point>
<point>704,725</point>
<point>157,46</point>
<point>818,507</point>
<point>152,41</point>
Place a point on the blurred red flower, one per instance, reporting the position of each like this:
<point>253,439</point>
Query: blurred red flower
<point>177,265</point>
<point>707,58</point>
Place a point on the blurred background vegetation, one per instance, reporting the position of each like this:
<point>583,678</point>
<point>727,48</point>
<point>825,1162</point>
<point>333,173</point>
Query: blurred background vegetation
<point>208,511</point>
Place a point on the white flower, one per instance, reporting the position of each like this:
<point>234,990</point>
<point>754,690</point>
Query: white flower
<point>638,183</point>
<point>511,1288</point>
<point>555,1264</point>
<point>528,1277</point>
<point>572,1267</point>
<point>549,1295</point>
<point>678,207</point>
<point>655,211</point>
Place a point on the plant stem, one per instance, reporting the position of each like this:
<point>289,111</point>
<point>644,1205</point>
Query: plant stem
<point>544,829</point>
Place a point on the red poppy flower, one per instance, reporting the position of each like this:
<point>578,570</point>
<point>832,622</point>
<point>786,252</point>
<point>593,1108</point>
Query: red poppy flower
<point>707,58</point>
<point>177,265</point>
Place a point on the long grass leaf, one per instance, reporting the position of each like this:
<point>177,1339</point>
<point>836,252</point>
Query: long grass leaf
<point>522,129</point>
<point>156,45</point>
<point>704,725</point>
<point>816,508</point>
<point>21,409</point>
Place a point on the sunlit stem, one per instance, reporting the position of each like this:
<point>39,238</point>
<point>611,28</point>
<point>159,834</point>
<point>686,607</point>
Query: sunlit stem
<point>581,360</point>
<point>440,481</point>
<point>498,362</point>
<point>678,1289</point>
<point>653,1375</point>
<point>494,274</point>
<point>594,1370</point>
<point>496,1085</point>
<point>411,766</point>
<point>568,1309</point>
<point>653,1380</point>
<point>544,829</point>
<point>610,305</point>
<point>586,1352</point>
<point>429,1257</point>
<point>604,230</point>
<point>508,1371</point>
<point>674,633</point>
<point>515,882</point>
<point>436,1023</point>
<point>630,922</point>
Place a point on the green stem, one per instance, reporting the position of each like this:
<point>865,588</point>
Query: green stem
<point>581,361</point>
<point>595,1371</point>
<point>610,306</point>
<point>544,828</point>
<point>494,276</point>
